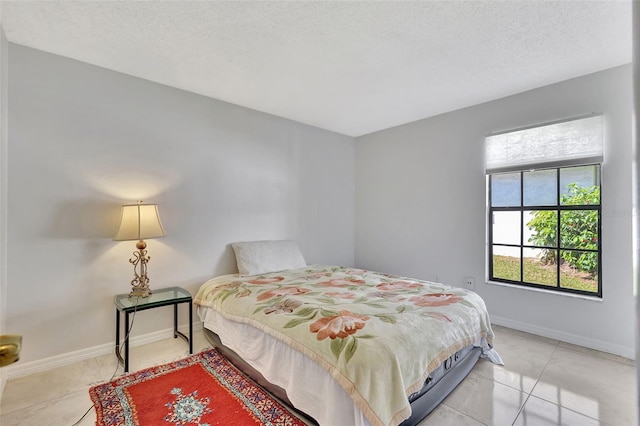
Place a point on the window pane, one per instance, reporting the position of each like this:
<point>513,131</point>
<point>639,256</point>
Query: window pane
<point>505,190</point>
<point>579,270</point>
<point>506,263</point>
<point>540,267</point>
<point>579,229</point>
<point>580,185</point>
<point>506,228</point>
<point>543,237</point>
<point>540,188</point>
<point>541,228</point>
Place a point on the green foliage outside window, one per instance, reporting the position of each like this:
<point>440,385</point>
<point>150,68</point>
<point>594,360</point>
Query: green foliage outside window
<point>578,230</point>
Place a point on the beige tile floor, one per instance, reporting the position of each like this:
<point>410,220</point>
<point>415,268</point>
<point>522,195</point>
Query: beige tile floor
<point>544,382</point>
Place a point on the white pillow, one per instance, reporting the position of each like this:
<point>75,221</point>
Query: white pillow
<point>262,257</point>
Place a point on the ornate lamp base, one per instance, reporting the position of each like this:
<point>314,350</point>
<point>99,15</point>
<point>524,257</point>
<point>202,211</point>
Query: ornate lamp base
<point>140,282</point>
<point>140,292</point>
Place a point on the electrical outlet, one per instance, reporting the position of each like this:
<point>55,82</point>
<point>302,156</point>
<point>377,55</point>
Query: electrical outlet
<point>470,282</point>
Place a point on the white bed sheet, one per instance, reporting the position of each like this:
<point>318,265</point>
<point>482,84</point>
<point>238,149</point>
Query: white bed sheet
<point>310,388</point>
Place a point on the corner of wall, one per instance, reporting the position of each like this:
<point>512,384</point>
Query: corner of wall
<point>636,174</point>
<point>4,47</point>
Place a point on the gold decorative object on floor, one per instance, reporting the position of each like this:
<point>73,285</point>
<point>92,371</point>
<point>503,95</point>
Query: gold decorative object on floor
<point>139,222</point>
<point>10,345</point>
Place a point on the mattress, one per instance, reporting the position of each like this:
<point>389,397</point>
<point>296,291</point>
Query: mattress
<point>389,321</point>
<point>437,387</point>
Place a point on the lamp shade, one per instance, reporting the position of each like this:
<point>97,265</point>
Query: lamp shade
<point>139,222</point>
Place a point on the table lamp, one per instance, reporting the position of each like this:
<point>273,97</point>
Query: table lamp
<point>139,222</point>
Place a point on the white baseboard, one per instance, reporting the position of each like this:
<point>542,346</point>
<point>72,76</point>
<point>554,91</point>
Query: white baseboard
<point>45,364</point>
<point>599,345</point>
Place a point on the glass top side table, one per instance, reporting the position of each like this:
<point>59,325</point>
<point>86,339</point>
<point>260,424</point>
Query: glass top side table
<point>159,297</point>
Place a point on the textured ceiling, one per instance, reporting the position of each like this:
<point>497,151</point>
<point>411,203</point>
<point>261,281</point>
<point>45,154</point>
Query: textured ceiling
<point>350,67</point>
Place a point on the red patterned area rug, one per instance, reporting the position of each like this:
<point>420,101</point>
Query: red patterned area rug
<point>204,389</point>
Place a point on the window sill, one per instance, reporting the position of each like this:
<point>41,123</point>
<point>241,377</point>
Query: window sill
<point>541,290</point>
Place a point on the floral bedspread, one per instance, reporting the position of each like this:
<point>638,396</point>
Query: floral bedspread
<point>378,335</point>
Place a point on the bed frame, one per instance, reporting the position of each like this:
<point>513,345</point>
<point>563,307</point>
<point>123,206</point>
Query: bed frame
<point>437,387</point>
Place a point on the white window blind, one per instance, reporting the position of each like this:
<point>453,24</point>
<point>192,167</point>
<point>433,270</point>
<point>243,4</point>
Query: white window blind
<point>559,144</point>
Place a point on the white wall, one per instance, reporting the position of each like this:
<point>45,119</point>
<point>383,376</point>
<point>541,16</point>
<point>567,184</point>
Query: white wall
<point>3,193</point>
<point>636,176</point>
<point>421,207</point>
<point>84,140</point>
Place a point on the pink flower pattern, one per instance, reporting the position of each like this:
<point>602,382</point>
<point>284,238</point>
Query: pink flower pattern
<point>342,325</point>
<point>266,280</point>
<point>341,282</point>
<point>398,285</point>
<point>436,299</point>
<point>341,295</point>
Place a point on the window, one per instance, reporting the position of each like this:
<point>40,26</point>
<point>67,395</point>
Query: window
<point>544,224</point>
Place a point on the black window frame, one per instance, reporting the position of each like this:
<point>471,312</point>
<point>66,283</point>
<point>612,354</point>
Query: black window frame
<point>559,207</point>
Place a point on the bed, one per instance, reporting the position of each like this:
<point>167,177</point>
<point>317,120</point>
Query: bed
<point>344,346</point>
